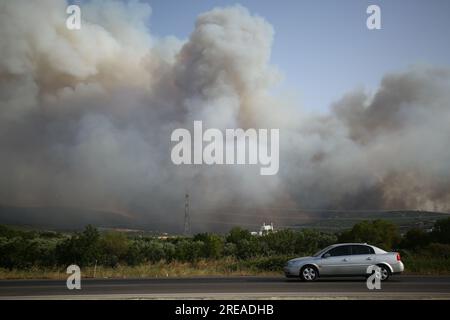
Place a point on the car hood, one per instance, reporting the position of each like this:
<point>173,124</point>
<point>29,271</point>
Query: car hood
<point>301,259</point>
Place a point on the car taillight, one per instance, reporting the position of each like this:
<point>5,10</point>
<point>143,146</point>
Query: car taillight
<point>398,256</point>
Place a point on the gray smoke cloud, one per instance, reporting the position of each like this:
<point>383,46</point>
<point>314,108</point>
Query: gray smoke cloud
<point>86,118</point>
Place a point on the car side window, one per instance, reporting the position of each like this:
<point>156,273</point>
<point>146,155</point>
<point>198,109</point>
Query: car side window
<point>360,249</point>
<point>340,251</point>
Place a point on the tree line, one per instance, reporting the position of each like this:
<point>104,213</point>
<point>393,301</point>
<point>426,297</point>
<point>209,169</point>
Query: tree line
<point>25,249</point>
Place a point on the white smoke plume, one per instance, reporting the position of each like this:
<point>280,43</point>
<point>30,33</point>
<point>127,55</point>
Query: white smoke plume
<point>86,118</point>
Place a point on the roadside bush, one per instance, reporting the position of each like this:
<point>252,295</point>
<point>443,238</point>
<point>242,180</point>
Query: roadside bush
<point>311,241</point>
<point>436,250</point>
<point>425,264</point>
<point>135,254</point>
<point>229,249</point>
<point>189,251</point>
<point>213,245</point>
<point>82,249</point>
<point>153,251</point>
<point>248,248</point>
<point>281,242</point>
<point>238,234</point>
<point>441,231</point>
<point>113,244</point>
<point>415,238</point>
<point>381,233</point>
<point>273,263</point>
<point>170,251</point>
<point>22,250</point>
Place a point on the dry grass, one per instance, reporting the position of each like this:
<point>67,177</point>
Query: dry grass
<point>33,273</point>
<point>223,267</point>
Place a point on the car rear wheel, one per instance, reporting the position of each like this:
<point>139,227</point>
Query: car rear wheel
<point>384,273</point>
<point>309,273</point>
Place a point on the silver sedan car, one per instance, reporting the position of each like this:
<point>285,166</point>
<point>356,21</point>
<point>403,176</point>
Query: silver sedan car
<point>345,259</point>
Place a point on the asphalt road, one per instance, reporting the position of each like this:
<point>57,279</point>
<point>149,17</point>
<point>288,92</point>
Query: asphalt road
<point>398,287</point>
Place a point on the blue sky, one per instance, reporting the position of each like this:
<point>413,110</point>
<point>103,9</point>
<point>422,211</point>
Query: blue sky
<point>323,48</point>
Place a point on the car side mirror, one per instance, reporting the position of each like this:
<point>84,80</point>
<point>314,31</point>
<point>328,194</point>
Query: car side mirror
<point>326,255</point>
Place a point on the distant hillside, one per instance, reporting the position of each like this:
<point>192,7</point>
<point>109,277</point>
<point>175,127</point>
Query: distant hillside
<point>69,219</point>
<point>333,221</point>
<point>326,220</point>
<point>62,218</point>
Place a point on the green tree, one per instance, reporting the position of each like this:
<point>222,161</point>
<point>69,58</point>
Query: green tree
<point>310,241</point>
<point>229,249</point>
<point>82,249</point>
<point>154,251</point>
<point>238,234</point>
<point>381,233</point>
<point>135,255</point>
<point>415,238</point>
<point>441,231</point>
<point>114,247</point>
<point>280,242</point>
<point>248,248</point>
<point>169,251</point>
<point>213,245</point>
<point>188,250</point>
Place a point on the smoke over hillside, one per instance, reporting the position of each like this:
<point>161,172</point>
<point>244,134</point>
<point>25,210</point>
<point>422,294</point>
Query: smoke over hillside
<point>86,118</point>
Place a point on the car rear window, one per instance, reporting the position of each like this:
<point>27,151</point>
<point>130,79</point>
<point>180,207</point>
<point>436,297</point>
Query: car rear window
<point>362,250</point>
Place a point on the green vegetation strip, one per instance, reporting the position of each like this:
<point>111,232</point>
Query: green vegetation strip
<point>34,254</point>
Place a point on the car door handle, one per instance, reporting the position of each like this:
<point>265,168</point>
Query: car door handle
<point>369,258</point>
<point>345,259</point>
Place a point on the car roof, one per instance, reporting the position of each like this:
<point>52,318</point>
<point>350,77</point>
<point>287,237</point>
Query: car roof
<point>377,250</point>
<point>351,243</point>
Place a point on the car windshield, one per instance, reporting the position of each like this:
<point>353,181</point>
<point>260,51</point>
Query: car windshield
<point>318,253</point>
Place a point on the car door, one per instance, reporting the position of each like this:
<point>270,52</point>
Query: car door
<point>362,257</point>
<point>335,261</point>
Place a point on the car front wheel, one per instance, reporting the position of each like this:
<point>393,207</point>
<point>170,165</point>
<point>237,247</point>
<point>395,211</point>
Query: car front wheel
<point>308,273</point>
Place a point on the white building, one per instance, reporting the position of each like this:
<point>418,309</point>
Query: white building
<point>265,229</point>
